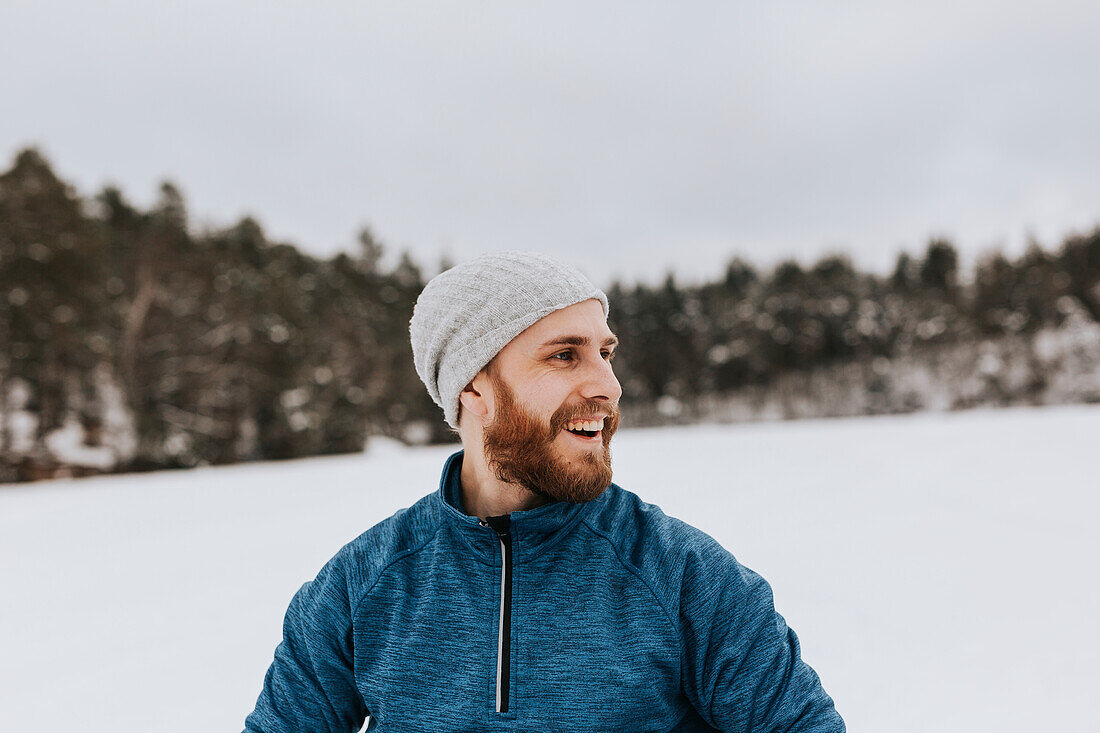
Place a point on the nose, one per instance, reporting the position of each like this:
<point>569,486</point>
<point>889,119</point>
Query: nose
<point>600,382</point>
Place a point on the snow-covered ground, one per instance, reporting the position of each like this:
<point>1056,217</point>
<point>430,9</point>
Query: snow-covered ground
<point>941,570</point>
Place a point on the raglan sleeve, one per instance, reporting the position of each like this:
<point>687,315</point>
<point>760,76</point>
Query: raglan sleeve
<point>310,685</point>
<point>743,666</point>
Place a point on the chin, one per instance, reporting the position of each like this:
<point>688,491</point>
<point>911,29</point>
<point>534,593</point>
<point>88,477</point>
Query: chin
<point>578,479</point>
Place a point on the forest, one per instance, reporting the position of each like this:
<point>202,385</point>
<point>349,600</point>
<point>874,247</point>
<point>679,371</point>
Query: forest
<point>133,340</point>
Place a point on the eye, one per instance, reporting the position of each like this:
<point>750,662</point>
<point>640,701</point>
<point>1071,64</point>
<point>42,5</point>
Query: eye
<point>609,355</point>
<point>563,356</point>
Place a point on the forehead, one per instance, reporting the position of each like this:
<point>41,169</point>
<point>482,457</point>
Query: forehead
<point>584,319</point>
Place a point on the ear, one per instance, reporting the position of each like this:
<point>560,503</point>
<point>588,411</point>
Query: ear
<point>474,397</point>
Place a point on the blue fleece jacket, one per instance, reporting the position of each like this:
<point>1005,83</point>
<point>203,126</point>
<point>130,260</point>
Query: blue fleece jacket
<point>604,616</point>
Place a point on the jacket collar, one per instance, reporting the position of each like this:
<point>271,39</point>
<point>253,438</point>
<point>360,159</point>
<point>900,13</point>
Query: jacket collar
<point>533,531</point>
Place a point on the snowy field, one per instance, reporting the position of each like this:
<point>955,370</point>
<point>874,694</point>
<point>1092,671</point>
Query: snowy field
<point>941,570</point>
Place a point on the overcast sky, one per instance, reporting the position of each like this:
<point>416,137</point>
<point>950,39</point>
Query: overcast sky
<point>630,138</point>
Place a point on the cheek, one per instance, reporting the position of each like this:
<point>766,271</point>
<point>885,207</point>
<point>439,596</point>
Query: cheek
<point>547,395</point>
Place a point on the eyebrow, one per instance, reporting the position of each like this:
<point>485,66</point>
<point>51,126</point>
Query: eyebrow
<point>579,341</point>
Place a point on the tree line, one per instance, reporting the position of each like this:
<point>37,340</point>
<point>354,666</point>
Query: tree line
<point>130,340</point>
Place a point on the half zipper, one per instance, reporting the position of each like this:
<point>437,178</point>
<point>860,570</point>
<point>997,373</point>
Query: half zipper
<point>501,526</point>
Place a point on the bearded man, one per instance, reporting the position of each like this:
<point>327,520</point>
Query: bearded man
<point>529,593</point>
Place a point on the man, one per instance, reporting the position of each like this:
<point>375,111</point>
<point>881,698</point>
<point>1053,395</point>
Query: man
<point>529,593</point>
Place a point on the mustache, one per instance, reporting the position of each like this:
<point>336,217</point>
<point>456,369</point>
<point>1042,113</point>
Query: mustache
<point>589,408</point>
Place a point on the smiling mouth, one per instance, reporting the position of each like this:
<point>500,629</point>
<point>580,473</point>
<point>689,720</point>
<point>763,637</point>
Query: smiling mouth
<point>585,428</point>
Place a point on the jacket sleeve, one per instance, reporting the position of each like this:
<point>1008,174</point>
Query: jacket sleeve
<point>742,669</point>
<point>310,685</point>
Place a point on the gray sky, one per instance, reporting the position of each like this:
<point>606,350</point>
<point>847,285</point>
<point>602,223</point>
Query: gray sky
<point>630,138</point>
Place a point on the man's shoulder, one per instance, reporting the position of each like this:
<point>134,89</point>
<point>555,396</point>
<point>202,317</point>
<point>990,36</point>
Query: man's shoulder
<point>648,539</point>
<point>630,517</point>
<point>678,561</point>
<point>404,532</point>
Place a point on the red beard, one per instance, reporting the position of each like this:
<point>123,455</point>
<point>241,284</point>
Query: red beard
<point>518,449</point>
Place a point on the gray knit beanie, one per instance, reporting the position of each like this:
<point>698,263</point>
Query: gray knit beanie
<point>470,312</point>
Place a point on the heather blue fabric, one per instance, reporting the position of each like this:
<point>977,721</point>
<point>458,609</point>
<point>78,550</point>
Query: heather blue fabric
<point>623,619</point>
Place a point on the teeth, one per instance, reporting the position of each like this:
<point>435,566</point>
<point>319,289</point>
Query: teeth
<point>586,425</point>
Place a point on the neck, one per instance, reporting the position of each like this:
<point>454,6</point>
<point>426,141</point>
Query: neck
<point>485,495</point>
